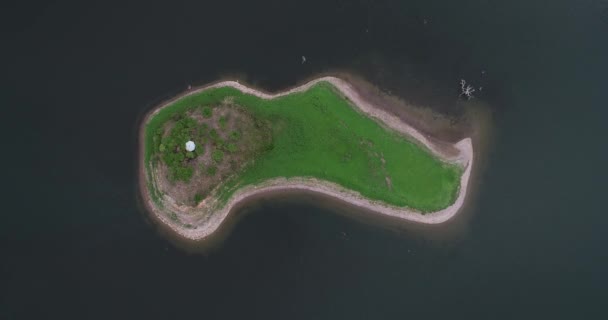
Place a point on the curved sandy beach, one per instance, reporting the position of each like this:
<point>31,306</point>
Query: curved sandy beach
<point>204,223</point>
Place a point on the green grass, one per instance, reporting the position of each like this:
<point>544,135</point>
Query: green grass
<point>318,134</point>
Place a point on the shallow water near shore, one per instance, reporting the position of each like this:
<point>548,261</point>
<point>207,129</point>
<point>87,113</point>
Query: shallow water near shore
<point>76,244</point>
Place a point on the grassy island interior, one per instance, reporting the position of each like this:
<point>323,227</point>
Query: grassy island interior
<point>243,140</point>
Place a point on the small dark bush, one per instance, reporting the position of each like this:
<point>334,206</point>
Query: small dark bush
<point>223,122</point>
<point>207,112</point>
<point>211,170</point>
<point>235,135</point>
<point>218,156</point>
<point>232,148</point>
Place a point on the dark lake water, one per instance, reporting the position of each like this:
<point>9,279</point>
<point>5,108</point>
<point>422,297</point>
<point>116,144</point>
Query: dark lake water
<point>76,78</point>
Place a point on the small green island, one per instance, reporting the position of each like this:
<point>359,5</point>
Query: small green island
<point>213,147</point>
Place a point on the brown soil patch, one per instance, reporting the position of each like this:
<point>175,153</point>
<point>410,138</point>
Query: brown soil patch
<point>209,173</point>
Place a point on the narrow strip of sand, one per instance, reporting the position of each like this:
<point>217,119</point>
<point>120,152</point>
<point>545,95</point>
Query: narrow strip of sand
<point>201,230</point>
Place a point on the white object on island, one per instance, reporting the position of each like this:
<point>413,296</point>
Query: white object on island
<point>190,146</point>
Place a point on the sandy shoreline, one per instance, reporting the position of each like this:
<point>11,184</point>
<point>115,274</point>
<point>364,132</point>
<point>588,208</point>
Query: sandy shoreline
<point>204,228</point>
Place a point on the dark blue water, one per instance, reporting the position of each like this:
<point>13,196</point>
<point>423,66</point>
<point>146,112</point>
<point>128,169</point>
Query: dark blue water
<point>76,78</point>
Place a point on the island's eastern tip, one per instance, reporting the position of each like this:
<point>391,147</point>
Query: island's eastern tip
<point>214,147</point>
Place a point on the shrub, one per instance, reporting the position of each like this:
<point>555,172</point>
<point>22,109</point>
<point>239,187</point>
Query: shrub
<point>220,144</point>
<point>184,173</point>
<point>235,135</point>
<point>198,198</point>
<point>200,148</point>
<point>211,170</point>
<point>207,112</point>
<point>218,156</point>
<point>223,121</point>
<point>232,148</point>
<point>213,135</point>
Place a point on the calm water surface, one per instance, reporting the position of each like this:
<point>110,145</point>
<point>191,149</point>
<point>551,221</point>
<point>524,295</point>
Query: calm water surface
<point>77,77</point>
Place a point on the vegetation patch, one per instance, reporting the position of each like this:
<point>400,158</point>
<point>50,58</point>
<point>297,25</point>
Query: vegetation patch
<point>243,140</point>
